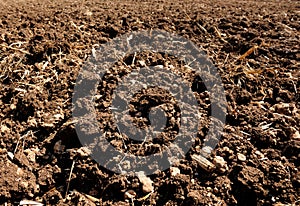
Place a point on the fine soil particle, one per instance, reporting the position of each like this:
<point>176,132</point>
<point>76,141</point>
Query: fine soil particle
<point>254,45</point>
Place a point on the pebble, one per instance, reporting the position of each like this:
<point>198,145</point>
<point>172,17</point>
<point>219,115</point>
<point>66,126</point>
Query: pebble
<point>146,181</point>
<point>259,154</point>
<point>10,155</point>
<point>206,150</point>
<point>241,157</point>
<point>20,171</point>
<point>221,164</point>
<point>296,135</point>
<point>174,171</point>
<point>129,194</point>
<point>226,149</point>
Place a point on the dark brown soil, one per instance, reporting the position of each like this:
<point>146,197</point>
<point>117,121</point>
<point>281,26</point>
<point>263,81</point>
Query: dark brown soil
<point>254,45</point>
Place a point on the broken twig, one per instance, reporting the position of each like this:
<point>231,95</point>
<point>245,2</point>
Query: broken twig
<point>69,179</point>
<point>250,51</point>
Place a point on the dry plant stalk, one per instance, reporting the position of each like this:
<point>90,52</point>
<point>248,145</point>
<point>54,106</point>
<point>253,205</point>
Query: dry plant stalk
<point>91,198</point>
<point>204,163</point>
<point>30,203</point>
<point>69,179</point>
<point>145,197</point>
<point>250,51</point>
<point>15,49</point>
<point>219,34</point>
<point>201,27</point>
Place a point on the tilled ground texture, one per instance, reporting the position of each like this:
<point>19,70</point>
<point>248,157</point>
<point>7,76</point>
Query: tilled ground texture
<point>254,45</point>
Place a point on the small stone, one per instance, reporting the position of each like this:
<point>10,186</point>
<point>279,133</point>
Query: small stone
<point>20,171</point>
<point>219,161</point>
<point>259,154</point>
<point>174,171</point>
<point>10,155</point>
<point>296,135</point>
<point>12,107</point>
<point>226,149</point>
<point>206,151</point>
<point>146,181</point>
<point>4,128</point>
<point>30,155</point>
<point>241,157</point>
<point>129,194</point>
<point>221,164</point>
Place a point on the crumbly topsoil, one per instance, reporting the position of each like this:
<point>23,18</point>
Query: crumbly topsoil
<point>254,45</point>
